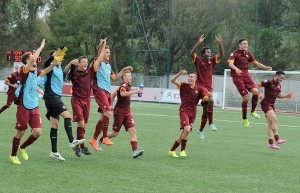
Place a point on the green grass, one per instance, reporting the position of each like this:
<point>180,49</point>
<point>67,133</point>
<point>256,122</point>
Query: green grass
<point>233,159</point>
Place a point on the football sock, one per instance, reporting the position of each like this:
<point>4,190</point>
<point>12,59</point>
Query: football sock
<point>53,138</point>
<point>98,130</point>
<point>276,137</point>
<point>183,144</point>
<point>4,108</point>
<point>134,145</point>
<point>175,145</point>
<point>15,146</point>
<point>80,134</point>
<point>68,128</point>
<point>210,108</point>
<point>270,141</point>
<point>254,102</point>
<point>30,140</point>
<point>203,122</point>
<point>244,109</point>
<point>105,122</point>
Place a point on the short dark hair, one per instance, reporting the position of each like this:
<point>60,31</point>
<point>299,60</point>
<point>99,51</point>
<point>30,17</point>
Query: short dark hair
<point>242,39</point>
<point>203,50</point>
<point>82,57</point>
<point>25,57</point>
<point>279,72</point>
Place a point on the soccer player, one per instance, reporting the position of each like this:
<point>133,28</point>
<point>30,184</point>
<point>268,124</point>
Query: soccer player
<point>28,110</point>
<point>272,92</point>
<point>12,82</point>
<point>238,62</point>
<point>122,114</point>
<point>189,95</point>
<point>54,104</point>
<point>205,66</point>
<point>102,92</point>
<point>81,77</point>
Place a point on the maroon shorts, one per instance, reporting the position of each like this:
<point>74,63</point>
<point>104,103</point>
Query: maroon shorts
<point>26,116</point>
<point>243,83</point>
<point>81,109</point>
<point>125,120</point>
<point>266,107</point>
<point>103,99</point>
<point>186,119</point>
<point>11,97</point>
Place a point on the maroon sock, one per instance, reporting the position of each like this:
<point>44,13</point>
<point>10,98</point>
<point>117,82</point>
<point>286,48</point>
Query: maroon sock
<point>244,109</point>
<point>183,144</point>
<point>105,123</point>
<point>270,141</point>
<point>134,145</point>
<point>80,135</point>
<point>30,140</point>
<point>203,122</point>
<point>98,130</point>
<point>175,145</point>
<point>210,109</point>
<point>254,102</point>
<point>4,108</point>
<point>15,146</point>
<point>276,137</point>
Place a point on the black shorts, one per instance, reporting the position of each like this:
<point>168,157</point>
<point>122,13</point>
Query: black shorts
<point>54,106</point>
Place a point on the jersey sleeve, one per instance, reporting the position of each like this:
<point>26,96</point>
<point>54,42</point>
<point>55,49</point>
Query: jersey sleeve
<point>122,88</point>
<point>48,61</point>
<point>179,85</point>
<point>195,58</point>
<point>232,57</point>
<point>251,57</point>
<point>202,92</point>
<point>264,83</point>
<point>112,74</point>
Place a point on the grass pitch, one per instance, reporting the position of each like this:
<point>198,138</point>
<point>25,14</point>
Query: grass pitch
<point>233,159</point>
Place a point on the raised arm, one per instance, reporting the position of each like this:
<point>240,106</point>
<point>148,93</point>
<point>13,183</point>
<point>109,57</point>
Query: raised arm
<point>101,51</point>
<point>120,74</point>
<point>200,40</point>
<point>221,49</point>
<point>35,56</point>
<point>68,67</point>
<point>174,78</point>
<point>49,68</point>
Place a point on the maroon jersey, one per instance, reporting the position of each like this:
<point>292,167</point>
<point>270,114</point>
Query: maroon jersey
<point>123,104</point>
<point>81,83</point>
<point>241,60</point>
<point>12,79</point>
<point>204,70</point>
<point>272,90</point>
<point>190,97</point>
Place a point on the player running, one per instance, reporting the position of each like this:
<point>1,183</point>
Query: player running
<point>205,66</point>
<point>102,92</point>
<point>12,82</point>
<point>81,77</point>
<point>54,104</point>
<point>28,111</point>
<point>189,95</point>
<point>272,92</point>
<point>238,62</point>
<point>122,114</point>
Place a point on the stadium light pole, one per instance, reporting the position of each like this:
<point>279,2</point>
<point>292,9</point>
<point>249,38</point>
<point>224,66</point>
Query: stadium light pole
<point>170,43</point>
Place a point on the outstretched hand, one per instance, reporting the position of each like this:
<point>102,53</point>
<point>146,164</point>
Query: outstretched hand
<point>218,39</point>
<point>130,68</point>
<point>182,72</point>
<point>201,38</point>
